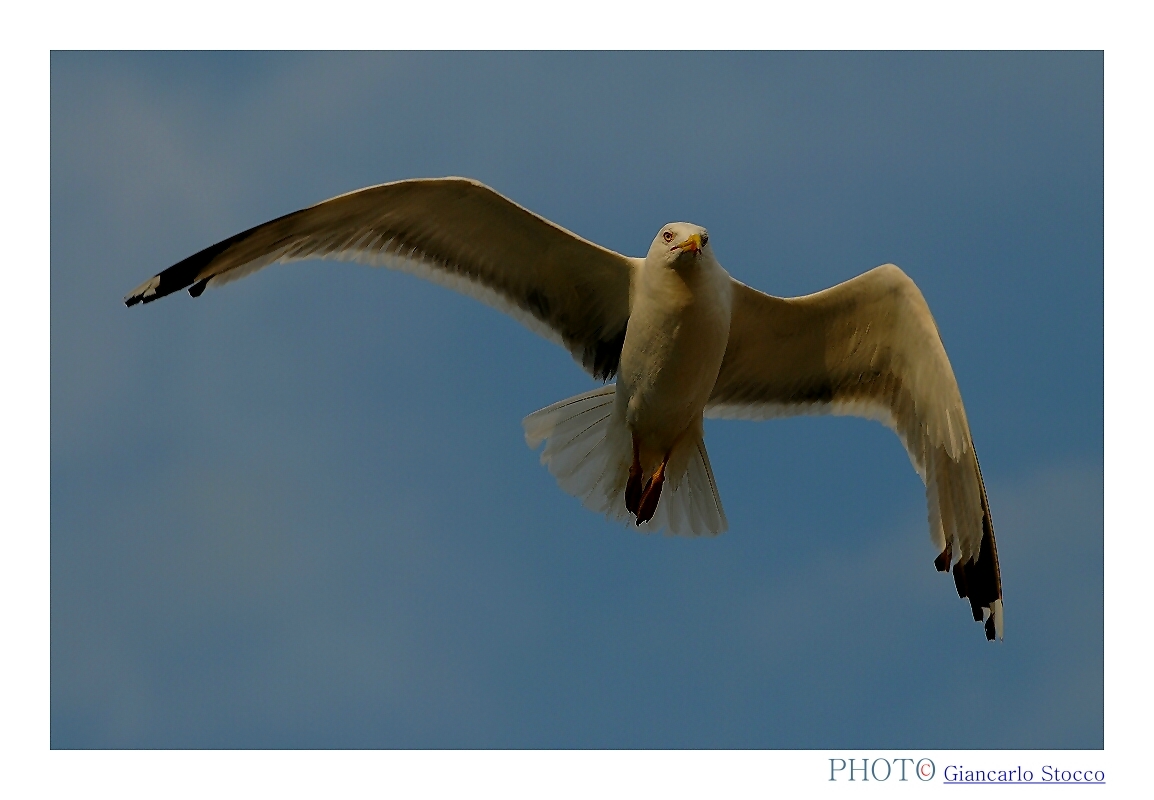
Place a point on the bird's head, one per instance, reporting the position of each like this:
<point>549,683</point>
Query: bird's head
<point>679,245</point>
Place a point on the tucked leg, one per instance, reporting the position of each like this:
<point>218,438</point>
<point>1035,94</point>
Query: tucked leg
<point>652,493</point>
<point>633,488</point>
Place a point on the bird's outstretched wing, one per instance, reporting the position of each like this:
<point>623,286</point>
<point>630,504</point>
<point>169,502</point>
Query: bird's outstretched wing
<point>453,231</point>
<point>869,347</point>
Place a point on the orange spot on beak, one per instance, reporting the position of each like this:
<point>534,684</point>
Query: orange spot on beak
<point>692,243</point>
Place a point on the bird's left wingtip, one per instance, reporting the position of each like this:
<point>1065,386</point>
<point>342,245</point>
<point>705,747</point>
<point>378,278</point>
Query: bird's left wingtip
<point>995,627</point>
<point>974,584</point>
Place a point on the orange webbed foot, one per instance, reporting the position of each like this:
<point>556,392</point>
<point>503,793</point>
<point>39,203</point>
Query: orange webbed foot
<point>651,495</point>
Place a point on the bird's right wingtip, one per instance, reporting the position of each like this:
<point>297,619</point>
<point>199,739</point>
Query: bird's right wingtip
<point>143,293</point>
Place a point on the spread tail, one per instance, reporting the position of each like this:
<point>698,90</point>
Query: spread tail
<point>588,449</point>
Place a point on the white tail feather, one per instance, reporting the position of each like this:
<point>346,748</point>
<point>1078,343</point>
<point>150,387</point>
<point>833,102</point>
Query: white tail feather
<point>588,450</point>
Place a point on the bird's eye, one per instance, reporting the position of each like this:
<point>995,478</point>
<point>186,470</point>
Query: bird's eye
<point>667,236</point>
<point>704,239</point>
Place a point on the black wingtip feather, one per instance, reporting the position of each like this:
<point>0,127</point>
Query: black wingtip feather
<point>960,579</point>
<point>185,274</point>
<point>980,580</point>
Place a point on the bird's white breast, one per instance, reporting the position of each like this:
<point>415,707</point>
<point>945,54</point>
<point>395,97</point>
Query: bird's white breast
<point>674,343</point>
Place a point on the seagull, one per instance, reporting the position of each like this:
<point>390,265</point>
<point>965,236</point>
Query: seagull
<point>684,340</point>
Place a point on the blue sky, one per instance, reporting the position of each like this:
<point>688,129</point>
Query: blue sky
<point>299,511</point>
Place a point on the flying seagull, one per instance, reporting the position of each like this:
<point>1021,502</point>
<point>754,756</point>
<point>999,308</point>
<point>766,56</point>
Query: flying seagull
<point>684,339</point>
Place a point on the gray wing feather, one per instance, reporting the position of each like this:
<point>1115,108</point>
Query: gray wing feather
<point>869,347</point>
<point>455,232</point>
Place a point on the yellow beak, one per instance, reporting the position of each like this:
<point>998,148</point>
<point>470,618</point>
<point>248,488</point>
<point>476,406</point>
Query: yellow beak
<point>692,243</point>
